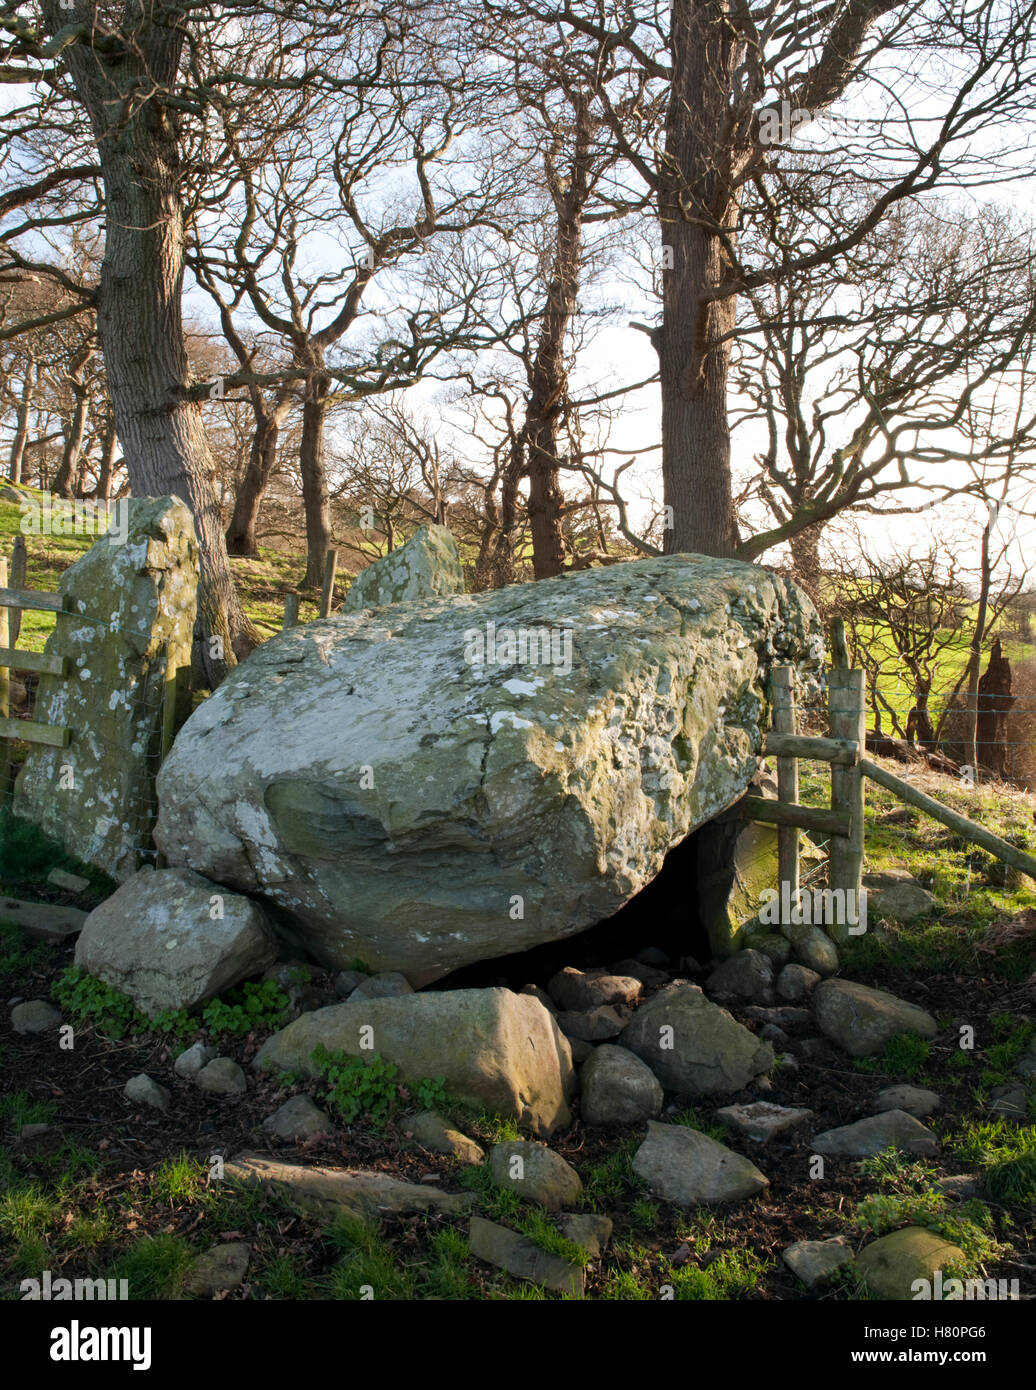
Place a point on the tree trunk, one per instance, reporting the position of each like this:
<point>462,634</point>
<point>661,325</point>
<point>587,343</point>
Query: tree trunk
<point>975,658</point>
<point>66,479</point>
<point>805,559</point>
<point>241,533</point>
<point>139,314</point>
<point>695,199</point>
<point>16,463</point>
<point>109,443</point>
<point>994,705</point>
<point>314,478</point>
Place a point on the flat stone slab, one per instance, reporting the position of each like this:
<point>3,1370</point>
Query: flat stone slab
<point>762,1121</point>
<point>518,1255</point>
<point>364,1193</point>
<point>44,921</point>
<point>895,1128</point>
<point>222,1267</point>
<point>685,1166</point>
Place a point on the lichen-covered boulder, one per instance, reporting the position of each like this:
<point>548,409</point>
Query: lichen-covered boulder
<point>170,940</point>
<point>428,565</point>
<point>493,1048</point>
<point>132,601</point>
<point>455,779</point>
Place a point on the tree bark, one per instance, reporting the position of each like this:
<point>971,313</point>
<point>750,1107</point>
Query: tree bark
<point>314,477</point>
<point>109,444</point>
<point>66,479</point>
<point>140,316</point>
<point>16,470</point>
<point>695,200</point>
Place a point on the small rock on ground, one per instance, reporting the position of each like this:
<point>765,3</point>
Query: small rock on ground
<point>813,948</point>
<point>814,1261</point>
<point>578,991</point>
<point>192,1059</point>
<point>298,1118</point>
<point>432,1132</point>
<point>589,1231</point>
<point>685,1166</point>
<point>876,1133</point>
<point>746,975</point>
<point>535,1173</point>
<point>520,1257</point>
<point>763,1121</point>
<point>222,1267</point>
<point>795,983</point>
<point>222,1077</point>
<point>861,1020</point>
<point>891,1265</point>
<point>141,1090</point>
<point>388,984</point>
<point>33,1017</point>
<point>618,1088</point>
<point>597,1025</point>
<point>915,1100</point>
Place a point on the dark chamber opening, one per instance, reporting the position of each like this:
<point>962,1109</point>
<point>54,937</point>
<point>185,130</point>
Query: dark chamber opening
<point>667,913</point>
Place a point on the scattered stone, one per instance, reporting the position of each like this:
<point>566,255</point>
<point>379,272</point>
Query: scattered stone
<point>960,1186</point>
<point>590,1232</point>
<point>426,566</point>
<point>71,883</point>
<point>8,493</point>
<point>535,992</point>
<point>44,921</point>
<point>861,1020</point>
<point>762,1083</point>
<point>347,982</point>
<point>1008,1099</point>
<point>813,948</point>
<point>520,1257</point>
<point>364,1193</point>
<point>709,1053</point>
<point>648,975</point>
<point>222,1267</point>
<point>595,1026</point>
<point>762,1121</point>
<point>747,975</point>
<point>33,1017</point>
<point>684,1166</point>
<point>896,893</point>
<point>30,1132</point>
<point>580,1050</point>
<point>775,947</point>
<point>895,1128</point>
<point>398,875</point>
<point>618,1088</point>
<point>289,975</point>
<point>535,1173</point>
<point>770,1033</point>
<point>891,1265</point>
<point>190,1062</point>
<point>787,1061</point>
<point>814,1261</point>
<point>387,984</point>
<point>222,1077</point>
<point>157,940</point>
<point>783,1016</point>
<point>915,1100</point>
<point>298,1118</point>
<point>141,1090</point>
<point>813,1049</point>
<point>432,1132</point>
<point>576,991</point>
<point>796,982</point>
<point>493,1047</point>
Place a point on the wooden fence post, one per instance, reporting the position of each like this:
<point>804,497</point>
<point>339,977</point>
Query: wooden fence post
<point>847,706</point>
<point>19,571</point>
<point>787,780</point>
<point>327,594</point>
<point>291,611</point>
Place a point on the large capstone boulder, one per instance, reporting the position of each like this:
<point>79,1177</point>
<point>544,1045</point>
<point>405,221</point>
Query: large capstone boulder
<point>693,1046</point>
<point>426,566</point>
<point>445,781</point>
<point>170,939</point>
<point>493,1048</point>
<point>131,605</point>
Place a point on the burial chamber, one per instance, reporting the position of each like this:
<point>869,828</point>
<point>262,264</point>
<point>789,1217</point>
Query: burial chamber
<point>429,784</point>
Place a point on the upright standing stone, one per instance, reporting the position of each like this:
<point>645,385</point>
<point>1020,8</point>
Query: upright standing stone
<point>427,566</point>
<point>132,597</point>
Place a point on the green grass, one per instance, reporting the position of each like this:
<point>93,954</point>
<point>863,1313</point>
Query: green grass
<point>154,1266</point>
<point>903,1057</point>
